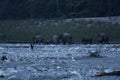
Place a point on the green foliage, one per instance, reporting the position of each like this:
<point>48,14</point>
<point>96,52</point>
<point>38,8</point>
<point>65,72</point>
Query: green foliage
<point>23,30</point>
<point>47,9</point>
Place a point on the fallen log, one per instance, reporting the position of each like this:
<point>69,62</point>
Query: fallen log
<point>103,73</point>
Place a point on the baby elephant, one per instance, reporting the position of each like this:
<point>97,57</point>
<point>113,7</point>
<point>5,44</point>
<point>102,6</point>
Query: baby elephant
<point>87,40</point>
<point>38,39</point>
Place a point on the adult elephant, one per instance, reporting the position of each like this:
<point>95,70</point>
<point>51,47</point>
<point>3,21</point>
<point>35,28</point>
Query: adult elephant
<point>63,38</point>
<point>38,39</point>
<point>103,38</point>
<point>87,40</point>
<point>66,38</point>
<point>55,39</point>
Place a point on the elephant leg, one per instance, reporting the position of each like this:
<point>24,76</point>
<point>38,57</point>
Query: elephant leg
<point>100,40</point>
<point>106,40</point>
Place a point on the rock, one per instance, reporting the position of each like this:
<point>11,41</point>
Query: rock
<point>68,55</point>
<point>45,69</point>
<point>3,58</point>
<point>7,72</point>
<point>53,61</point>
<point>12,78</point>
<point>94,53</point>
<point>73,59</point>
<point>108,70</point>
<point>31,69</point>
<point>76,75</point>
<point>58,67</point>
<point>92,72</point>
<point>2,74</point>
<point>100,73</point>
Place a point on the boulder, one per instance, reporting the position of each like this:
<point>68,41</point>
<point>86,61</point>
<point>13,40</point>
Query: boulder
<point>94,53</point>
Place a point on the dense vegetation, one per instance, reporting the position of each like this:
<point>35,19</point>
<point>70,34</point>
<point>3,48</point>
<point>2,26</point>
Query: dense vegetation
<point>47,9</point>
<point>23,30</point>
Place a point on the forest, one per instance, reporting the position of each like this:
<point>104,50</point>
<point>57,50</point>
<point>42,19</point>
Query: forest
<point>49,9</point>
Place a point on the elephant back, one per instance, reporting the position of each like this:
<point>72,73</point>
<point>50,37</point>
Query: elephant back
<point>38,39</point>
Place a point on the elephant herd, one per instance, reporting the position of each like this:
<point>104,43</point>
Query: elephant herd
<point>102,38</point>
<point>66,38</point>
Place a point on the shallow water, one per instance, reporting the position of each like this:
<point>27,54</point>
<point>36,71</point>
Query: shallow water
<point>58,62</point>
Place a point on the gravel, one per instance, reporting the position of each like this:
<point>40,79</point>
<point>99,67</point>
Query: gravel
<point>58,62</point>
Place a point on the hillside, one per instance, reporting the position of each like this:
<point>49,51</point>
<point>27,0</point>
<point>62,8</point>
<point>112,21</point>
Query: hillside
<point>49,9</point>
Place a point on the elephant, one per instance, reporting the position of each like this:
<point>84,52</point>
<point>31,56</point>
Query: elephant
<point>87,40</point>
<point>55,39</point>
<point>47,41</point>
<point>38,39</point>
<point>103,38</point>
<point>66,38</point>
<point>63,38</point>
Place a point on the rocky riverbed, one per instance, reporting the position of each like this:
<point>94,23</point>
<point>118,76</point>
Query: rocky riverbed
<point>59,62</point>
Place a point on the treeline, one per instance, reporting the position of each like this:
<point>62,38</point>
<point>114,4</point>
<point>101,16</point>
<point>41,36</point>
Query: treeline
<point>47,9</point>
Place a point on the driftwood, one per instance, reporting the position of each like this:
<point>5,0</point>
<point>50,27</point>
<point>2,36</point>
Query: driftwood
<point>102,73</point>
